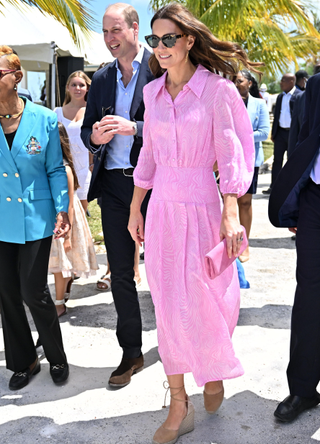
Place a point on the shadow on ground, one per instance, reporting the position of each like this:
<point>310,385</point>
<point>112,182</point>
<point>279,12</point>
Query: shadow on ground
<point>268,316</point>
<point>81,379</point>
<point>273,243</point>
<point>242,419</point>
<point>101,315</point>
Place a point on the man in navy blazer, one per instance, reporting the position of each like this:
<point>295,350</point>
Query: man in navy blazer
<point>295,203</point>
<point>112,130</point>
<point>281,123</point>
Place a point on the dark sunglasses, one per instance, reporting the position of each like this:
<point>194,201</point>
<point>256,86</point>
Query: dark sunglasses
<point>4,72</point>
<point>169,40</point>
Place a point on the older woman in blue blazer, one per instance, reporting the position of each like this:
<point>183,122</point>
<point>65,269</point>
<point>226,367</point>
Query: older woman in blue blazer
<point>259,116</point>
<point>33,190</point>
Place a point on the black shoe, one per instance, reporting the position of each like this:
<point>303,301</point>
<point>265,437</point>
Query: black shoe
<point>128,367</point>
<point>293,405</point>
<point>59,372</point>
<point>21,379</point>
<point>268,191</point>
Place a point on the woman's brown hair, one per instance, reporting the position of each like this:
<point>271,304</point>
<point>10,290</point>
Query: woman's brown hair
<point>66,152</point>
<point>217,56</point>
<point>83,76</point>
<point>12,58</point>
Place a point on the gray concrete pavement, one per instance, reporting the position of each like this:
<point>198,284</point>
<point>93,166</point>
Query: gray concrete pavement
<point>85,410</point>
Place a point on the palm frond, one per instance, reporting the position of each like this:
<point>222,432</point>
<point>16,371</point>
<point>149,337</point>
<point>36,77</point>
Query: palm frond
<point>261,27</point>
<point>72,14</point>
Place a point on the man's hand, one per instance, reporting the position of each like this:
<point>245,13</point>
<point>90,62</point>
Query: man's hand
<point>100,134</point>
<point>105,130</point>
<point>117,125</point>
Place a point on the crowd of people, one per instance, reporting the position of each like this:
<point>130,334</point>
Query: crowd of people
<point>170,142</point>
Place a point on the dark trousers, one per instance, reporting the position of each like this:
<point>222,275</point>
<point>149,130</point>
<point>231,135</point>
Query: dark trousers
<point>117,191</point>
<point>23,277</point>
<point>304,367</point>
<point>280,147</point>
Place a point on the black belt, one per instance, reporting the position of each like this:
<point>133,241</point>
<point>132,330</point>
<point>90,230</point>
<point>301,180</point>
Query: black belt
<point>128,172</point>
<point>284,129</point>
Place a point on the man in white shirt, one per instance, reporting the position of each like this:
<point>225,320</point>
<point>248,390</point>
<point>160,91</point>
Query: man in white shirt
<point>282,123</point>
<point>295,203</point>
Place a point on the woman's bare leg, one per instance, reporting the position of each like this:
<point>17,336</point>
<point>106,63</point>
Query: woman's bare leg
<point>178,410</point>
<point>245,216</point>
<point>213,387</point>
<point>61,285</point>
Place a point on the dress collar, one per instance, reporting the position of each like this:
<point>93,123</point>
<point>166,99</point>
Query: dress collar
<point>196,84</point>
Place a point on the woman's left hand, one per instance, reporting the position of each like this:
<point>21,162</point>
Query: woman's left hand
<point>231,230</point>
<point>62,225</point>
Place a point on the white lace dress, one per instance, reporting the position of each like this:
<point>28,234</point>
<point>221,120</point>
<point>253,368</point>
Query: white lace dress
<point>79,153</point>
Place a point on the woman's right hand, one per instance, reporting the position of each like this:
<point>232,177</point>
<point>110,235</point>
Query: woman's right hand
<point>136,227</point>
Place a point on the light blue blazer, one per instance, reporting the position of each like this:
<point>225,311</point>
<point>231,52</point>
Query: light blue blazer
<point>33,180</point>
<point>259,117</point>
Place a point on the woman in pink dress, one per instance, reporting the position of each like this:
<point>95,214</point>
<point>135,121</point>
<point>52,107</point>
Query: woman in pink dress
<point>193,119</point>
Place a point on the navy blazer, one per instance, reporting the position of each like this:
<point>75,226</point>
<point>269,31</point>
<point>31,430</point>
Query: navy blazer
<point>102,94</point>
<point>284,198</point>
<point>275,125</point>
<point>296,122</point>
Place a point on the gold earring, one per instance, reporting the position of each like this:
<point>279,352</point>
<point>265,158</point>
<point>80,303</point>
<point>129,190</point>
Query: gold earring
<point>187,56</point>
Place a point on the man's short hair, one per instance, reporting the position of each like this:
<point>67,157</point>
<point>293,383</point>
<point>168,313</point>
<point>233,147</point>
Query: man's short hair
<point>129,13</point>
<point>301,74</point>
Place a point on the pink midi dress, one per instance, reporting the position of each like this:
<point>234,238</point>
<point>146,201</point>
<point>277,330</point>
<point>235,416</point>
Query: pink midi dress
<point>182,139</point>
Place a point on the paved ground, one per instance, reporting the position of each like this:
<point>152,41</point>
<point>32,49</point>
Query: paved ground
<point>85,410</point>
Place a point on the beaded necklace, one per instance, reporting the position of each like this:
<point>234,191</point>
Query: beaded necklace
<point>9,116</point>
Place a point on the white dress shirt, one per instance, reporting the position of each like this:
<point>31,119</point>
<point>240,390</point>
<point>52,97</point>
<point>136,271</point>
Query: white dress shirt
<point>285,114</point>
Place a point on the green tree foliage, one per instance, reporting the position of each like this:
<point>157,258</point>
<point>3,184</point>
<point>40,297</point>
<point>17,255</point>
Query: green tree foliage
<point>72,14</point>
<point>276,32</point>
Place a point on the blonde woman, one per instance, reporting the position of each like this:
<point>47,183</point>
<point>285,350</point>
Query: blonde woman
<point>71,116</point>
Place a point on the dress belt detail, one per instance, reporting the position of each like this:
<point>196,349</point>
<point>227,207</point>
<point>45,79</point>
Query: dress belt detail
<point>186,185</point>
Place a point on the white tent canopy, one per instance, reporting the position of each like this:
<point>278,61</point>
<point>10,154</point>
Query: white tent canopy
<point>33,35</point>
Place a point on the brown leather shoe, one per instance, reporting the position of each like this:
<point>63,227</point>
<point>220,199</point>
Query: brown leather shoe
<point>128,367</point>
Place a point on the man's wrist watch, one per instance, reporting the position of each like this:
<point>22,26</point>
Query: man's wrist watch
<point>135,127</point>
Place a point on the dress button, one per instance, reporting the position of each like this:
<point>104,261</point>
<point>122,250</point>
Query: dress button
<point>9,199</point>
<point>19,199</point>
<point>173,160</point>
<point>5,174</point>
<point>17,174</point>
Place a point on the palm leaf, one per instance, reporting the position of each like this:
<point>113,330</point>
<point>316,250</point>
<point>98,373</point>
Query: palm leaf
<point>261,27</point>
<point>72,14</point>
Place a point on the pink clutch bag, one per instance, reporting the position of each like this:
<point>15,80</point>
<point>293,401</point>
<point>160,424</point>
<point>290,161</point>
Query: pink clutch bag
<point>217,260</point>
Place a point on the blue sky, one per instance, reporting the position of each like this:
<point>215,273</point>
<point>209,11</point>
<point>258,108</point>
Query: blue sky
<point>99,6</point>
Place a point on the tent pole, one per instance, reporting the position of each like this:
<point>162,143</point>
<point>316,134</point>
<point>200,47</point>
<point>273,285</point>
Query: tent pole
<point>53,76</point>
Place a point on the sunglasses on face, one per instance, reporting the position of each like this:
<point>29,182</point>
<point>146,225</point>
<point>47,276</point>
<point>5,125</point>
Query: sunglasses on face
<point>169,40</point>
<point>4,72</point>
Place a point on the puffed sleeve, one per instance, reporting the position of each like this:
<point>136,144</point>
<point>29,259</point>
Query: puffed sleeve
<point>233,140</point>
<point>146,167</point>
